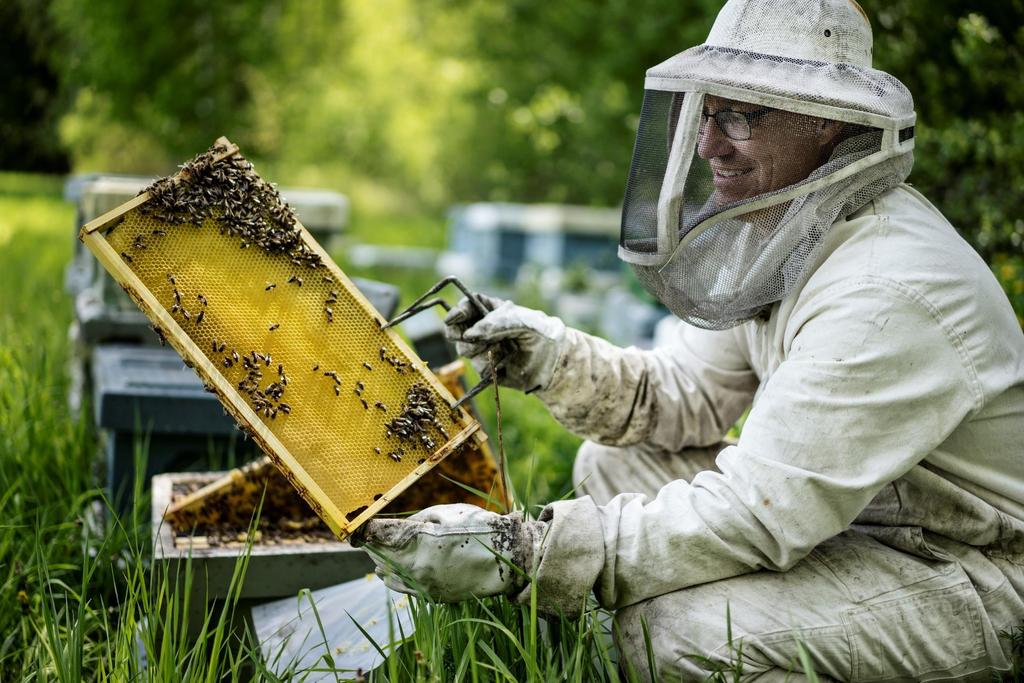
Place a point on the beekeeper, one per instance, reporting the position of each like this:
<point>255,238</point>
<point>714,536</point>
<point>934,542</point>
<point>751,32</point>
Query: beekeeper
<point>873,507</point>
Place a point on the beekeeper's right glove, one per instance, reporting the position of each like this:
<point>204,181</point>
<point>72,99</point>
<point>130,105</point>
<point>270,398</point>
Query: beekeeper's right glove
<point>452,552</point>
<point>535,340</point>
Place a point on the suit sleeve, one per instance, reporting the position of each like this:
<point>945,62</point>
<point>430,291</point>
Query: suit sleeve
<point>687,394</point>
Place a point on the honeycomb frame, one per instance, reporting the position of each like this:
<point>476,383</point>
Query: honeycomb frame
<point>316,439</point>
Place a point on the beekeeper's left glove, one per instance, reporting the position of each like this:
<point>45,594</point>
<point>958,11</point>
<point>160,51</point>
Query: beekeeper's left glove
<point>451,552</point>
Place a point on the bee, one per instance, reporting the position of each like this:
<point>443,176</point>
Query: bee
<point>280,368</point>
<point>272,328</point>
<point>175,308</point>
<point>126,257</point>
<point>328,279</point>
<point>316,367</point>
<point>376,449</point>
<point>228,363</point>
<point>221,347</point>
<point>270,286</point>
<point>366,406</point>
<point>138,243</point>
<point>367,365</point>
<point>383,353</point>
<point>201,299</point>
<point>380,405</point>
<point>298,280</point>
<point>234,354</point>
<point>170,278</point>
<point>330,314</point>
<point>177,296</point>
<point>160,335</point>
<point>285,408</point>
<point>199,318</point>
<point>395,455</point>
<point>245,245</point>
<point>186,314</point>
<point>337,390</point>
<point>160,233</point>
<point>213,345</point>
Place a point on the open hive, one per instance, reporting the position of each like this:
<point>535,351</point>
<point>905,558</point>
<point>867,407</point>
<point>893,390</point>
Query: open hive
<point>219,512</point>
<point>348,413</point>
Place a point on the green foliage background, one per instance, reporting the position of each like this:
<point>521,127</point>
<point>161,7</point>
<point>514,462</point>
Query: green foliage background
<point>406,106</point>
<point>420,103</point>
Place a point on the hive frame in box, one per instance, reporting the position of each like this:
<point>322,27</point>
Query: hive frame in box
<point>246,480</point>
<point>93,235</point>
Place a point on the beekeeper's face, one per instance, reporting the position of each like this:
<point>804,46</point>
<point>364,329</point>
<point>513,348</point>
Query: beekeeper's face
<point>753,149</point>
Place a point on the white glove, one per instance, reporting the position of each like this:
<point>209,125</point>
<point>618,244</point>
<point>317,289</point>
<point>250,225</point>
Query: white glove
<point>450,552</point>
<point>534,340</point>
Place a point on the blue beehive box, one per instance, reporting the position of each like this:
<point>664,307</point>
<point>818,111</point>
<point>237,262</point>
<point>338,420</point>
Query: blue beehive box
<point>145,395</point>
<point>491,242</point>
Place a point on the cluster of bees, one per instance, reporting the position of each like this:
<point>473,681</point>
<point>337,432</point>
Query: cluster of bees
<point>416,418</point>
<point>266,400</point>
<point>245,206</point>
<point>412,426</point>
<point>222,518</point>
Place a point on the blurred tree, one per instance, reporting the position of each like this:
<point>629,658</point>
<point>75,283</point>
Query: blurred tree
<point>559,91</point>
<point>178,70</point>
<point>963,63</point>
<point>29,101</point>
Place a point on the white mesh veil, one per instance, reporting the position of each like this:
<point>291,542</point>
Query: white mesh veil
<point>748,151</point>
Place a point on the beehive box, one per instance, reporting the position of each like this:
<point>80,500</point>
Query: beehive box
<point>275,567</point>
<point>295,353</point>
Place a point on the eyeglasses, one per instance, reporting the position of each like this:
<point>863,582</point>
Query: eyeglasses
<point>735,124</point>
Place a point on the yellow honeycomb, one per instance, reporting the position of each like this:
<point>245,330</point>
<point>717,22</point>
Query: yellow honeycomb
<point>346,378</point>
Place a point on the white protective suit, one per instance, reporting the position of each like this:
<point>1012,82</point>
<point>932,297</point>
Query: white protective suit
<point>873,508</point>
<point>881,468</point>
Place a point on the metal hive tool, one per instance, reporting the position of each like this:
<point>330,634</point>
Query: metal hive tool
<point>294,352</point>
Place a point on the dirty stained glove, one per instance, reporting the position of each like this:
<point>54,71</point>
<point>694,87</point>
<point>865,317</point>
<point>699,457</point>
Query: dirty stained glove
<point>450,552</point>
<point>535,340</point>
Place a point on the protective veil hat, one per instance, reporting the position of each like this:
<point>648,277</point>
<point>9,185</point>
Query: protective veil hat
<point>748,149</point>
